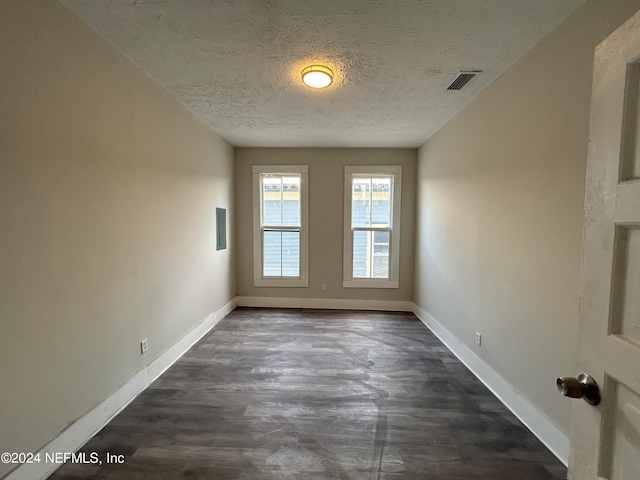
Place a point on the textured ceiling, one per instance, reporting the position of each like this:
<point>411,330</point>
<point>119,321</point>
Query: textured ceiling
<point>236,64</point>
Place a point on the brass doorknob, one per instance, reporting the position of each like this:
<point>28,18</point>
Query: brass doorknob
<point>582,387</point>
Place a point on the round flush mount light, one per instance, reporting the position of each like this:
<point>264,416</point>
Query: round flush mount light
<point>317,76</point>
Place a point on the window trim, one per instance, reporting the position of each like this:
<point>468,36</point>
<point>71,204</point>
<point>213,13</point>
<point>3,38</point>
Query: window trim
<point>393,281</point>
<point>303,279</point>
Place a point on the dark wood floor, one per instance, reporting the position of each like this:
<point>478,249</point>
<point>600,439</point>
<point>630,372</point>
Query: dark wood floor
<point>310,394</point>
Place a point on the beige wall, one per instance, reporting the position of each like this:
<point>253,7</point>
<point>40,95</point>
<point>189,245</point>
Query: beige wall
<point>108,190</point>
<point>326,216</point>
<point>500,211</point>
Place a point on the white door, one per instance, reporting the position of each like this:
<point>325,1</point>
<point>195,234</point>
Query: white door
<point>605,439</point>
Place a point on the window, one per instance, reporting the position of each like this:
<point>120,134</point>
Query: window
<point>372,226</point>
<point>280,232</point>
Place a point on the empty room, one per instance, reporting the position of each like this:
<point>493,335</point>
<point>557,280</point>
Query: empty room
<point>292,239</point>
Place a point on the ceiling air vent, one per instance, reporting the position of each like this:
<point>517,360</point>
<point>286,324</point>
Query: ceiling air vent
<point>461,80</point>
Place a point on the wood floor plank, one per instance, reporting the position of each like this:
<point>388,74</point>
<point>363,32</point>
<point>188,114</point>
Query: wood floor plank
<point>317,394</point>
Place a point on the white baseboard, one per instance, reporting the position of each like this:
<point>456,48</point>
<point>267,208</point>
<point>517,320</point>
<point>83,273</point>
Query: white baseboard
<point>85,427</point>
<point>550,435</point>
<point>325,303</point>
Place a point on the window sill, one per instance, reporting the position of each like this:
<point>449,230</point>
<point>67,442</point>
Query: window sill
<point>280,282</point>
<point>370,283</point>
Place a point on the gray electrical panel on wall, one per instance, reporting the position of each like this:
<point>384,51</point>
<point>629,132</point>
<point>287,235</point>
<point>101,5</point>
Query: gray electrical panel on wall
<point>221,228</point>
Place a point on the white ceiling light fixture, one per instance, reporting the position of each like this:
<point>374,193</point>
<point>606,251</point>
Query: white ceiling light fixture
<point>317,76</point>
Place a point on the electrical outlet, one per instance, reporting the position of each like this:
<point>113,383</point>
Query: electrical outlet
<point>324,286</point>
<point>144,346</point>
<point>478,338</point>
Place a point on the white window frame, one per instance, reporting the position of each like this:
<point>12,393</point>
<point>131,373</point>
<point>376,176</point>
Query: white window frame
<point>395,171</point>
<point>258,279</point>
